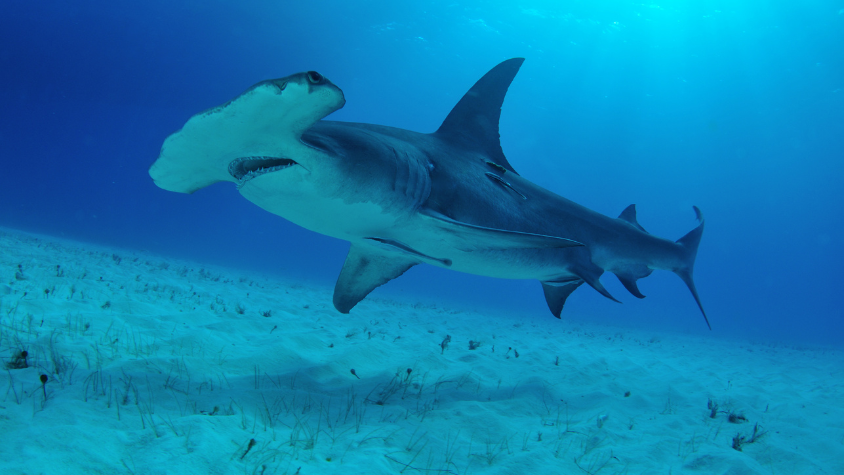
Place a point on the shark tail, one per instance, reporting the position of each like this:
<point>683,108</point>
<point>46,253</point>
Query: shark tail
<point>689,244</point>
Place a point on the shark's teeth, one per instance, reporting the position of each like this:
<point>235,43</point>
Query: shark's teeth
<point>246,168</point>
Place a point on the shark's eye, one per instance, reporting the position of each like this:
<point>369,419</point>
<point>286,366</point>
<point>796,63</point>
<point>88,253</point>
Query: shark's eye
<point>315,77</point>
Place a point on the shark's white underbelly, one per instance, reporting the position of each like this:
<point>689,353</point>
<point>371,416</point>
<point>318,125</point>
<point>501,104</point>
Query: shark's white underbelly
<point>360,223</point>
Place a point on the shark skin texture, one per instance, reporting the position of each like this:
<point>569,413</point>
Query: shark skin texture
<point>401,198</point>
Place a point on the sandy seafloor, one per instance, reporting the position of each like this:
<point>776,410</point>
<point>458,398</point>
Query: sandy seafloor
<point>158,366</point>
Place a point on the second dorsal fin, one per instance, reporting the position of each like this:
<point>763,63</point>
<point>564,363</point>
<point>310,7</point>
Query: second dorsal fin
<point>629,215</point>
<point>473,123</point>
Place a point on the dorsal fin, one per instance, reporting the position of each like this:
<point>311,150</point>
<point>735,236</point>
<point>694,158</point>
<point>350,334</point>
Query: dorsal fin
<point>473,123</point>
<point>629,215</point>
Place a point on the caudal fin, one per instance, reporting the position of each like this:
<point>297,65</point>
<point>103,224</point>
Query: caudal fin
<point>689,243</point>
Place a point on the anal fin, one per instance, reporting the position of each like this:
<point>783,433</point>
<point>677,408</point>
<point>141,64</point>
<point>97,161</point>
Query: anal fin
<point>366,268</point>
<point>629,283</point>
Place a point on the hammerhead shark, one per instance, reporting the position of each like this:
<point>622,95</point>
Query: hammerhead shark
<point>448,198</point>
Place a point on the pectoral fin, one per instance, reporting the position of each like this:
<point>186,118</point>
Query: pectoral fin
<point>366,268</point>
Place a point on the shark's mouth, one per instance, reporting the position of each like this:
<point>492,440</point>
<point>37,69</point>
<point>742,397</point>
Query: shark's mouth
<point>244,169</point>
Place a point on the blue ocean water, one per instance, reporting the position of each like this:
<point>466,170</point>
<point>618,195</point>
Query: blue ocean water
<point>736,107</point>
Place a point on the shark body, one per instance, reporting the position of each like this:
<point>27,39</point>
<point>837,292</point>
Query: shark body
<point>448,198</point>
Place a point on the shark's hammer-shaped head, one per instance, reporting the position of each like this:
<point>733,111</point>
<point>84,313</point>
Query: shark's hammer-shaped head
<point>333,179</point>
<point>255,134</point>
